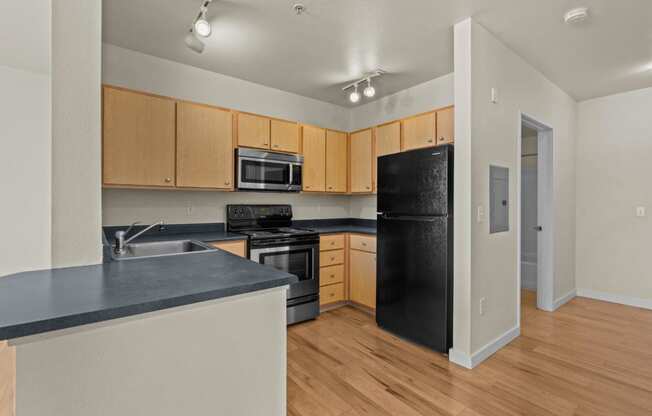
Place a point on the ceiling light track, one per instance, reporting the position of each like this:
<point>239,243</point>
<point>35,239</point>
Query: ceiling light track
<point>200,27</point>
<point>369,90</point>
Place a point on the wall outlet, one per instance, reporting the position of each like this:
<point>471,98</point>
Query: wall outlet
<point>640,211</point>
<point>483,306</point>
<point>189,210</point>
<point>494,95</point>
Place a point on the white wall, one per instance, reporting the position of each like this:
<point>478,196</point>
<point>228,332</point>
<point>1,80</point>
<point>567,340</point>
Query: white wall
<point>614,170</point>
<point>25,140</point>
<point>436,93</point>
<point>124,206</point>
<point>135,70</point>
<point>495,132</point>
<point>76,132</point>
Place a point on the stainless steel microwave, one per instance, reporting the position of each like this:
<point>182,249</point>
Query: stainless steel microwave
<point>258,170</point>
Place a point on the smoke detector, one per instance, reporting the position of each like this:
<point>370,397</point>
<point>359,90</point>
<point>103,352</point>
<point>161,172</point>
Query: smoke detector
<point>575,16</point>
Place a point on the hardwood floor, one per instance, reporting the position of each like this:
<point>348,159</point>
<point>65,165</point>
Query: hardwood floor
<point>587,358</point>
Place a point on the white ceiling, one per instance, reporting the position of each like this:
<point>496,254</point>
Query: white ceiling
<point>336,41</point>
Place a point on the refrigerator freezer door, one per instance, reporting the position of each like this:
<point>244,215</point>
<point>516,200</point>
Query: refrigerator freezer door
<point>414,289</point>
<point>415,182</point>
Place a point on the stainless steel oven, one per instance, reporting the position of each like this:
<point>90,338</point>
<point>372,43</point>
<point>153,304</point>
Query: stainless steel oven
<point>294,255</point>
<point>268,171</point>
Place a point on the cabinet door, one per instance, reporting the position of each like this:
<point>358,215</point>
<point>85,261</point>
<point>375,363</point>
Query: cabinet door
<point>336,161</point>
<point>419,131</point>
<point>314,159</point>
<point>239,248</point>
<point>388,139</point>
<point>138,139</point>
<point>204,147</point>
<point>446,126</point>
<point>285,136</point>
<point>253,131</point>
<point>361,162</point>
<point>362,274</point>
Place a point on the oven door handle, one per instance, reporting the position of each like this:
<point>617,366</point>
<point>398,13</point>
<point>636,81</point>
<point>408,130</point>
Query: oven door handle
<point>282,249</point>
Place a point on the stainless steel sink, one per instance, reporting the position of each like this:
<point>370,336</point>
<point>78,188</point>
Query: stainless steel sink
<point>161,248</point>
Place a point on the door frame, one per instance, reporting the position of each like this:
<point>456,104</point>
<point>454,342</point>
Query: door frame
<point>545,211</point>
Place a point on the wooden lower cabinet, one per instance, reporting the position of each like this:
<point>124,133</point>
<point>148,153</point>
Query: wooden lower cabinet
<point>239,248</point>
<point>362,278</point>
<point>347,269</point>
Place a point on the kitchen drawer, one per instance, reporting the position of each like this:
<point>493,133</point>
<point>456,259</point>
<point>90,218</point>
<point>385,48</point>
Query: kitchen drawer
<point>330,258</point>
<point>331,274</point>
<point>331,242</point>
<point>363,243</point>
<point>331,293</point>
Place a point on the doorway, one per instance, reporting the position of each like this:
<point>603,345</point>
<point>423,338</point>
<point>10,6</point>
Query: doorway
<point>535,219</point>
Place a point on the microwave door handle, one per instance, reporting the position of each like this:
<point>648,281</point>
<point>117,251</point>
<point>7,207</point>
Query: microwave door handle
<point>291,181</point>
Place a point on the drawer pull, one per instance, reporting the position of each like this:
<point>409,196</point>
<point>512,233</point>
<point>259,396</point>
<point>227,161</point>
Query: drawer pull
<point>332,243</point>
<point>332,258</point>
<point>332,276</point>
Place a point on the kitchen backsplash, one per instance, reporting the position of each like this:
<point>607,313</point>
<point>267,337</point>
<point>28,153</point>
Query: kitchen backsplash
<point>124,206</point>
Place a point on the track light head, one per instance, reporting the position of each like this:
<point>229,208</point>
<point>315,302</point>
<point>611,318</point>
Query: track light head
<point>202,27</point>
<point>354,97</point>
<point>369,91</point>
<point>194,43</point>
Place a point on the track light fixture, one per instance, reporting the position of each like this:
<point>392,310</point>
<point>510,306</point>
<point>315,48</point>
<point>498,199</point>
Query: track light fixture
<point>369,90</point>
<point>355,95</point>
<point>200,27</point>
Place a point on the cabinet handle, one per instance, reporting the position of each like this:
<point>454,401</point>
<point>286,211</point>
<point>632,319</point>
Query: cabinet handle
<point>227,182</point>
<point>332,243</point>
<point>332,258</point>
<point>168,180</point>
<point>429,140</point>
<point>276,145</point>
<point>364,244</point>
<point>368,187</point>
<point>332,276</point>
<point>332,294</point>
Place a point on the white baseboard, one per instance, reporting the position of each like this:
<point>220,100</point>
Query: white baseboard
<point>564,299</point>
<point>464,360</point>
<point>615,298</point>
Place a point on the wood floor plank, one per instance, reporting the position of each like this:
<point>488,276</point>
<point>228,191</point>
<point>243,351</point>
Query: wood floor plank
<point>587,358</point>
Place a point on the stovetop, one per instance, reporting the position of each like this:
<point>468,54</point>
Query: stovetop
<point>278,233</point>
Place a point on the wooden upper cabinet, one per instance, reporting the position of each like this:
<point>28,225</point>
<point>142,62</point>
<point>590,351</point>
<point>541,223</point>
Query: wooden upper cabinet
<point>388,139</point>
<point>336,161</point>
<point>446,126</point>
<point>314,159</point>
<point>253,131</point>
<point>362,159</point>
<point>138,139</point>
<point>419,131</point>
<point>204,147</point>
<point>285,136</point>
<point>362,278</point>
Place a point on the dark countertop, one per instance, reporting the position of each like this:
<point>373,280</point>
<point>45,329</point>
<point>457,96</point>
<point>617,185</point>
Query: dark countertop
<point>49,300</point>
<point>334,229</point>
<point>207,237</point>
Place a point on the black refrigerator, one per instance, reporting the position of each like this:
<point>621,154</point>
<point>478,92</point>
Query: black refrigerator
<point>414,297</point>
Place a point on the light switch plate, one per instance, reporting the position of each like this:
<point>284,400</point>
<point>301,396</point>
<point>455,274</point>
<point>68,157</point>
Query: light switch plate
<point>640,211</point>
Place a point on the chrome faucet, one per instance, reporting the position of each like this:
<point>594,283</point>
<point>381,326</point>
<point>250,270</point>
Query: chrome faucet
<point>121,243</point>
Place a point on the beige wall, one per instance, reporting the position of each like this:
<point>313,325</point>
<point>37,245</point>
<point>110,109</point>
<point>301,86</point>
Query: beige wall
<point>436,93</point>
<point>124,206</point>
<point>495,132</point>
<point>76,122</point>
<point>614,169</point>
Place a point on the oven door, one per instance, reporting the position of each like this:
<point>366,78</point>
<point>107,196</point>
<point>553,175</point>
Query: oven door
<point>301,260</point>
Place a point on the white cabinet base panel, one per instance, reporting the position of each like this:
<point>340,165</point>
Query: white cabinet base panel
<point>223,357</point>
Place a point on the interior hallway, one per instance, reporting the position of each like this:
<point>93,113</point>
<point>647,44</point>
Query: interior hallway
<point>588,358</point>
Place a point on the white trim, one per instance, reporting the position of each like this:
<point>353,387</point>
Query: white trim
<point>615,298</point>
<point>463,359</point>
<point>564,299</point>
<point>545,246</point>
<point>460,358</point>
